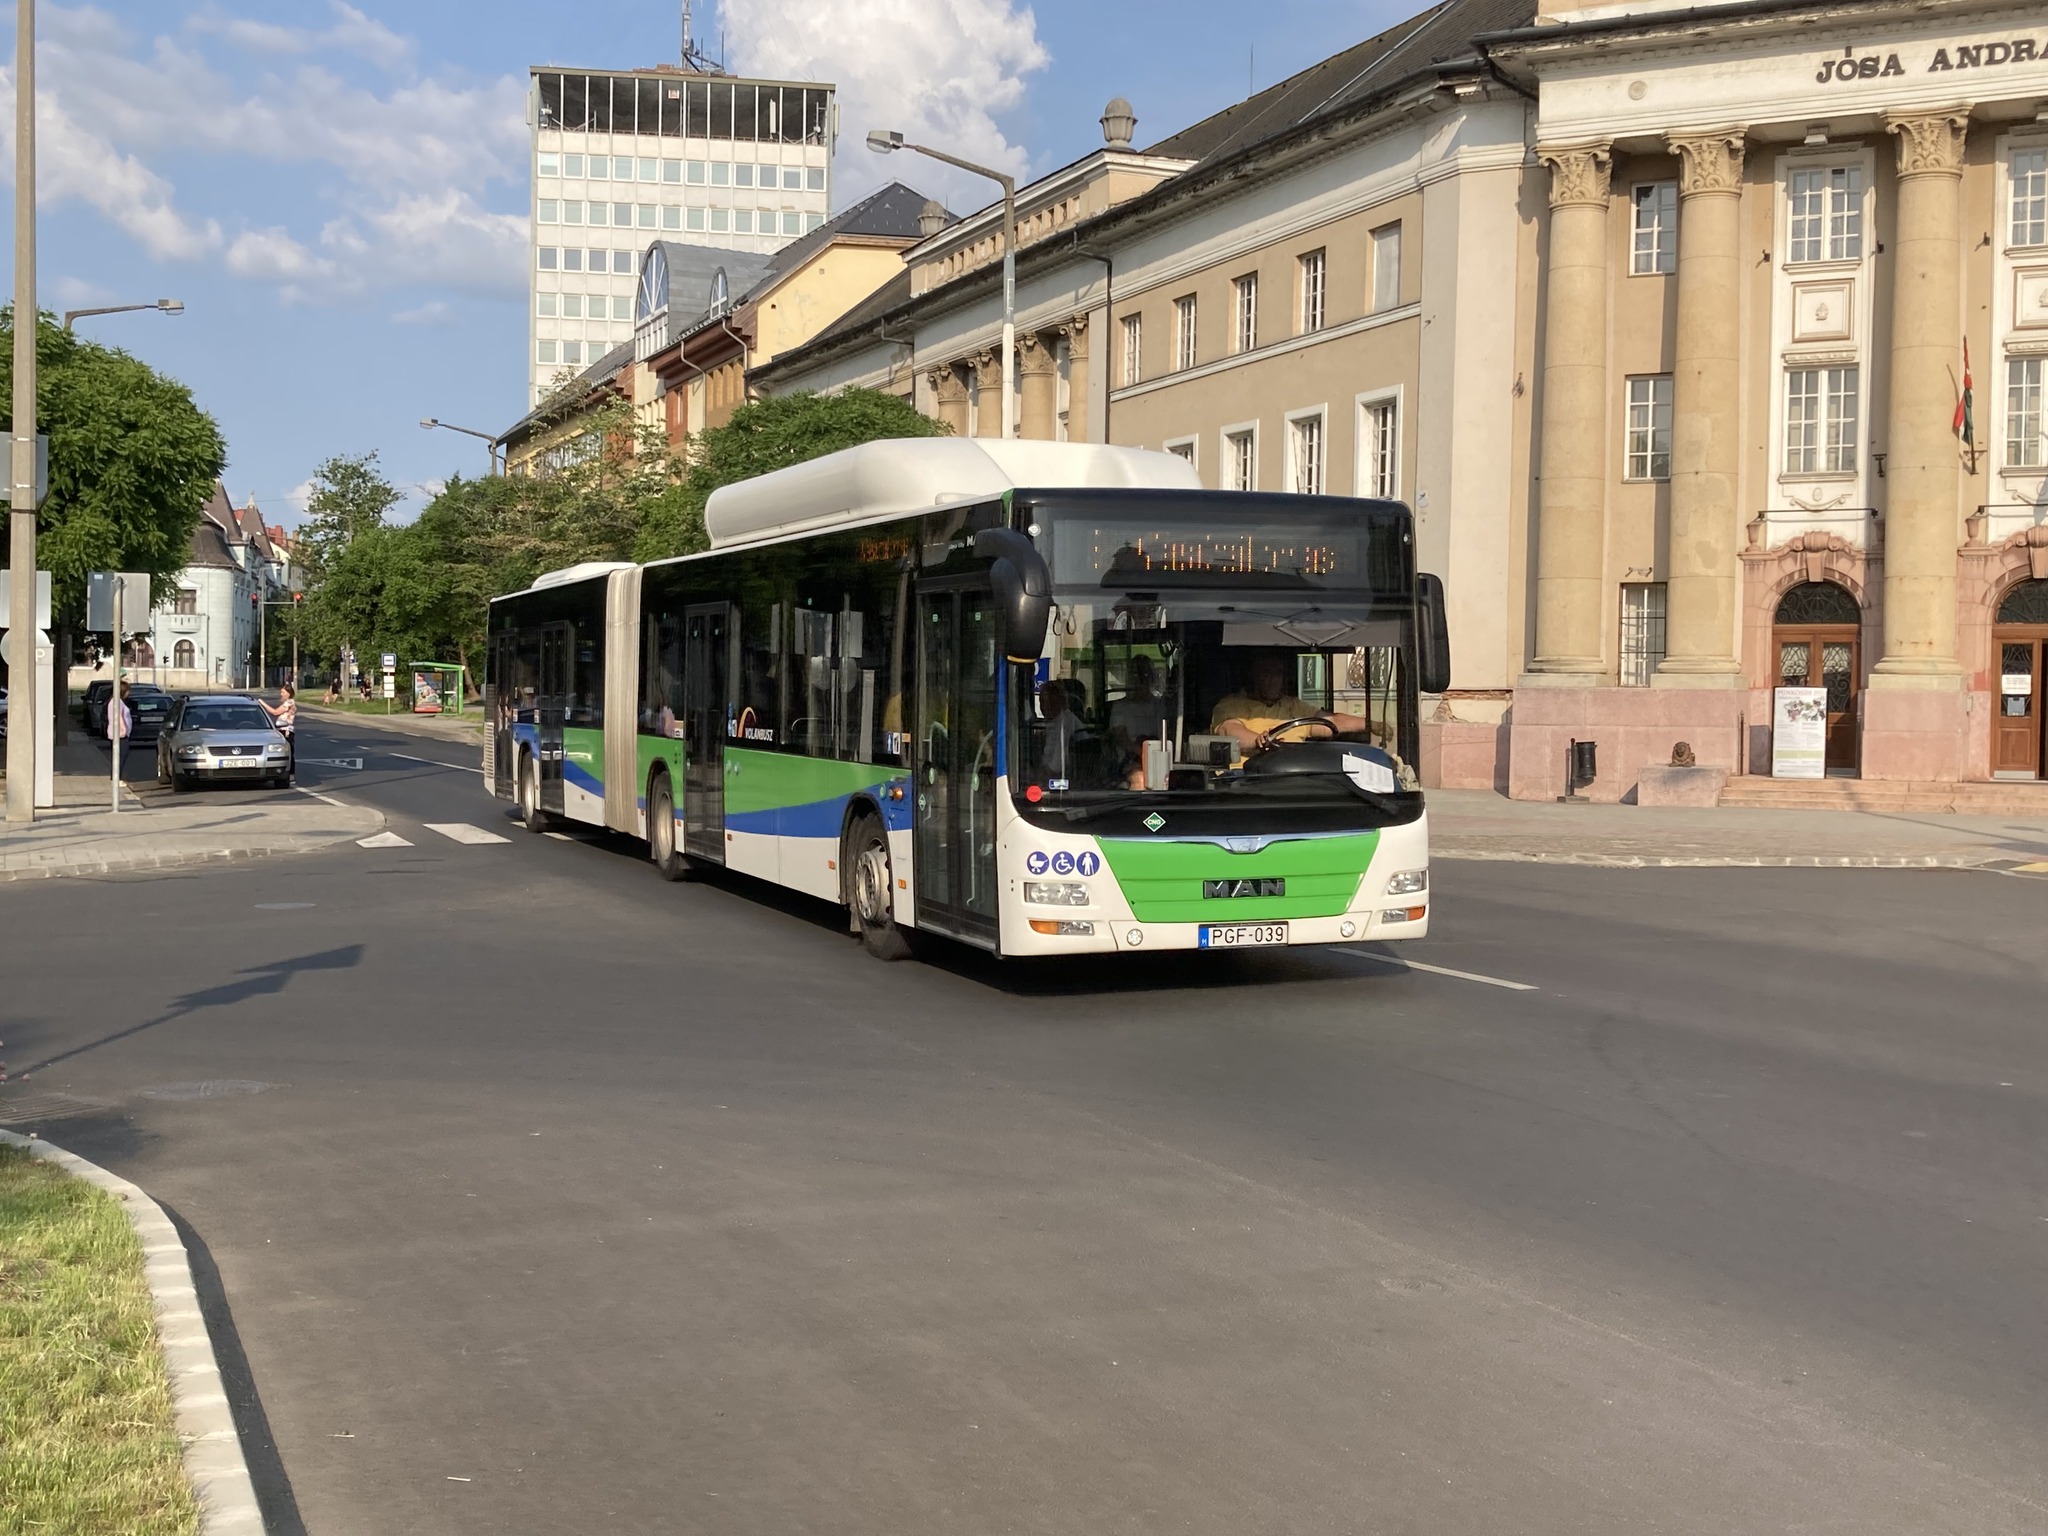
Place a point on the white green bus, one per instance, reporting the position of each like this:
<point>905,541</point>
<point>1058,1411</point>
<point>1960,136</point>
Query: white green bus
<point>1043,698</point>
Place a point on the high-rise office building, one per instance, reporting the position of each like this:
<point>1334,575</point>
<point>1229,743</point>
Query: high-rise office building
<point>624,158</point>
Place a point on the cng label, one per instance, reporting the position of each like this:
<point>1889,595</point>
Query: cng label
<point>1154,822</point>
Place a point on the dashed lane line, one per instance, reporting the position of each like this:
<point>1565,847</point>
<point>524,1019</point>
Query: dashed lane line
<point>463,832</point>
<point>326,799</point>
<point>435,762</point>
<point>1442,970</point>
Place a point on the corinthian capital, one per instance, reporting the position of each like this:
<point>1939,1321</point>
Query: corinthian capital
<point>1075,329</point>
<point>1578,173</point>
<point>1708,162</point>
<point>1930,143</point>
<point>1035,354</point>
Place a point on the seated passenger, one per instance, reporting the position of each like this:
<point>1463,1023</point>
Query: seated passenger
<point>1140,714</point>
<point>1251,718</point>
<point>1057,724</point>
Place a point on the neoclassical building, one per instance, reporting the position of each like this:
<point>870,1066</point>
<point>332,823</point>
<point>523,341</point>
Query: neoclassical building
<point>1708,342</point>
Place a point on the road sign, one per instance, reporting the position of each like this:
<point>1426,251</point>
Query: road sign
<point>99,601</point>
<point>391,661</point>
<point>390,685</point>
<point>42,600</point>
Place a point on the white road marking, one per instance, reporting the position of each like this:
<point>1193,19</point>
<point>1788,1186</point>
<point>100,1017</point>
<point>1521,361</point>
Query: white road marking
<point>328,799</point>
<point>463,832</point>
<point>334,762</point>
<point>560,837</point>
<point>436,762</point>
<point>1442,970</point>
<point>384,840</point>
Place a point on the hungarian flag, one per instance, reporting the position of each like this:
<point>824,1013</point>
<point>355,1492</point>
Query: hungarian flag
<point>1965,425</point>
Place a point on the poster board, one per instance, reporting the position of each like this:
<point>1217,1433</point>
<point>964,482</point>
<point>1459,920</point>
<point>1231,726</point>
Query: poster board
<point>1799,733</point>
<point>426,693</point>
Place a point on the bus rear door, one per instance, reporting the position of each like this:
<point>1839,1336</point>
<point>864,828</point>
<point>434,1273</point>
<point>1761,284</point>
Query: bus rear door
<point>955,839</point>
<point>551,702</point>
<point>707,706</point>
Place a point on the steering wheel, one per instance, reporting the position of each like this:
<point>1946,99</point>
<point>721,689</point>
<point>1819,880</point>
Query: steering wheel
<point>1266,740</point>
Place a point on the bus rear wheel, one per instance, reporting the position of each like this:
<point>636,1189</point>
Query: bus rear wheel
<point>669,862</point>
<point>871,889</point>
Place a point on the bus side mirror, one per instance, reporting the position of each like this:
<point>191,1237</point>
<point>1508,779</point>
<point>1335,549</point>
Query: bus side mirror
<point>1432,635</point>
<point>1023,591</point>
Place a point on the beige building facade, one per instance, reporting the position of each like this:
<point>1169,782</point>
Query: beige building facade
<point>1660,315</point>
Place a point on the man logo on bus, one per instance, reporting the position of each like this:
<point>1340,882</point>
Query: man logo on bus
<point>1088,863</point>
<point>1036,863</point>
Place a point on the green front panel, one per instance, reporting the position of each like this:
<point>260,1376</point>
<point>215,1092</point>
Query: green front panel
<point>773,781</point>
<point>1163,880</point>
<point>583,758</point>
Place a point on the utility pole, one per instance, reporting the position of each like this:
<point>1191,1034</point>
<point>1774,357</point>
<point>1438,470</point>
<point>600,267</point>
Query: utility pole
<point>23,740</point>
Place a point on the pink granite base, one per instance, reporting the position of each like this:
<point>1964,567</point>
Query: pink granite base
<point>1635,728</point>
<point>1697,787</point>
<point>1457,754</point>
<point>1915,733</point>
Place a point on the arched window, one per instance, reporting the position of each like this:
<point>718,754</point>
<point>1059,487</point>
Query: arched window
<point>653,295</point>
<point>1819,602</point>
<point>182,654</point>
<point>2026,603</point>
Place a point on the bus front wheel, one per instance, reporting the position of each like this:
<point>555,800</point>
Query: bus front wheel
<point>669,862</point>
<point>531,816</point>
<point>871,887</point>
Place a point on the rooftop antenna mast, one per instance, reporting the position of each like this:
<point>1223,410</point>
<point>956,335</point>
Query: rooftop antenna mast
<point>694,57</point>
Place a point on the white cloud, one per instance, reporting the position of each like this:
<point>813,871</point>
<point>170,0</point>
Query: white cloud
<point>433,312</point>
<point>940,71</point>
<point>404,168</point>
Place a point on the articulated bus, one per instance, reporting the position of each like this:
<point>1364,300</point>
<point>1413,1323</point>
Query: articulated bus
<point>1043,698</point>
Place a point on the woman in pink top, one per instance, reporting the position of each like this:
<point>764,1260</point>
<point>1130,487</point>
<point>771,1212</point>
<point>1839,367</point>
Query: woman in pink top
<point>287,717</point>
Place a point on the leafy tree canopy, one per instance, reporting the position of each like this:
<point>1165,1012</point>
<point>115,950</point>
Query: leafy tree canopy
<point>132,461</point>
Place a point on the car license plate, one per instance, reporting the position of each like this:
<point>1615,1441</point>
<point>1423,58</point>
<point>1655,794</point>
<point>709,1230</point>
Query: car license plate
<point>1239,935</point>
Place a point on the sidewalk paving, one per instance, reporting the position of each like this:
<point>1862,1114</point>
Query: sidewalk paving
<point>1480,824</point>
<point>156,830</point>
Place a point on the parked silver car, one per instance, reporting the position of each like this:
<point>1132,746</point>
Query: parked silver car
<point>221,737</point>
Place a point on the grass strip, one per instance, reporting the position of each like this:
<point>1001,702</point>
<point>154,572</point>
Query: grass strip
<point>88,1445</point>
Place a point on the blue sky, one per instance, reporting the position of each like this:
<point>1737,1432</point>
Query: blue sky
<point>337,191</point>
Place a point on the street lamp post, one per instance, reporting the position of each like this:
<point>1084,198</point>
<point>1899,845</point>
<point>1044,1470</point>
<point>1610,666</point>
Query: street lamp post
<point>885,141</point>
<point>428,423</point>
<point>23,741</point>
<point>161,306</point>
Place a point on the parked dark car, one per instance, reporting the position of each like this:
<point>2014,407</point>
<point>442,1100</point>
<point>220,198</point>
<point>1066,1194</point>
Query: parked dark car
<point>221,738</point>
<point>149,704</point>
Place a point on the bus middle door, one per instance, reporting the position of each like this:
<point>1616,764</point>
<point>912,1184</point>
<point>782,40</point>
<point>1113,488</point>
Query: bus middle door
<point>707,709</point>
<point>551,703</point>
<point>955,838</point>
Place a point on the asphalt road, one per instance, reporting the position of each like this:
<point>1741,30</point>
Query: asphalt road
<point>542,1196</point>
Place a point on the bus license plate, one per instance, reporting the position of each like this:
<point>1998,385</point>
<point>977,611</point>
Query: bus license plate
<point>1239,935</point>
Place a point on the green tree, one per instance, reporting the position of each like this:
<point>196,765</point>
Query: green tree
<point>767,435</point>
<point>350,497</point>
<point>132,460</point>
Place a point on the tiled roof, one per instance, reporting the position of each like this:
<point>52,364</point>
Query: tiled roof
<point>210,548</point>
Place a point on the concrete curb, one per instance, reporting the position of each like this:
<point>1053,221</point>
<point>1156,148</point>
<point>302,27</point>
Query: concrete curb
<point>1985,860</point>
<point>176,860</point>
<point>213,1450</point>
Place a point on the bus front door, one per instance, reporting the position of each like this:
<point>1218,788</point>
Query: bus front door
<point>955,839</point>
<point>551,701</point>
<point>707,706</point>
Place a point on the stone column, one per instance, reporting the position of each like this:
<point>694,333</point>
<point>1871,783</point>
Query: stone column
<point>988,382</point>
<point>1706,426</point>
<point>1038,386</point>
<point>1078,424</point>
<point>949,392</point>
<point>1921,531</point>
<point>1571,512</point>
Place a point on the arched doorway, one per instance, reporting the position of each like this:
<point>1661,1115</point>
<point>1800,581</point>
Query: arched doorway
<point>1817,633</point>
<point>181,654</point>
<point>2019,639</point>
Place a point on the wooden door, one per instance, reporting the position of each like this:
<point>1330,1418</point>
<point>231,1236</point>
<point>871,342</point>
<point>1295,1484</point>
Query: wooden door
<point>1826,657</point>
<point>2016,741</point>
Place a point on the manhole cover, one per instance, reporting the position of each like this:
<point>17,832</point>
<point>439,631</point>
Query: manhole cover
<point>212,1088</point>
<point>41,1108</point>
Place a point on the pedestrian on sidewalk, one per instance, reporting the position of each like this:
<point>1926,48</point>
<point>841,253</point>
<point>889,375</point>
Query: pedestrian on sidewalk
<point>121,719</point>
<point>287,717</point>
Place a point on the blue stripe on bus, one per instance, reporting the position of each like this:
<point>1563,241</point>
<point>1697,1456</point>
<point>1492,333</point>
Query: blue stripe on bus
<point>580,776</point>
<point>817,818</point>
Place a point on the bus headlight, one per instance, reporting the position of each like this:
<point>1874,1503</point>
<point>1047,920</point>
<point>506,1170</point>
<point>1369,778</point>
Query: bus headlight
<point>1408,882</point>
<point>1055,893</point>
<point>1404,914</point>
<point>1064,928</point>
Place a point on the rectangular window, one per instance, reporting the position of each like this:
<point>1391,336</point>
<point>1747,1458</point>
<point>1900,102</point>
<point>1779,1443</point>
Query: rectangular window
<point>1305,455</point>
<point>1642,631</point>
<point>1185,449</point>
<point>572,306</point>
<point>650,169</point>
<point>671,217</point>
<point>1245,293</point>
<point>572,259</point>
<point>544,257</point>
<point>572,213</point>
<point>1649,428</point>
<point>622,216</point>
<point>1241,460</point>
<point>743,175</point>
<point>622,307</point>
<point>1311,292</point>
<point>572,353</point>
<point>814,178</point>
<point>1386,268</point>
<point>544,305</point>
<point>572,165</point>
<point>547,211</point>
<point>2023,424</point>
<point>672,171</point>
<point>1379,449</point>
<point>1134,349</point>
<point>2030,197</point>
<point>693,218</point>
<point>1827,213</point>
<point>188,600</point>
<point>793,178</point>
<point>1821,421</point>
<point>721,173</point>
<point>544,351</point>
<point>721,221</point>
<point>600,166</point>
<point>550,164</point>
<point>813,221</point>
<point>791,222</point>
<point>622,263</point>
<point>1654,246</point>
<point>646,215</point>
<point>743,221</point>
<point>622,168</point>
<point>1184,333</point>
<point>697,171</point>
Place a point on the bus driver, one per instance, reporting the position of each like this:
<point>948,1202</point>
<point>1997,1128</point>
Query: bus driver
<point>1252,718</point>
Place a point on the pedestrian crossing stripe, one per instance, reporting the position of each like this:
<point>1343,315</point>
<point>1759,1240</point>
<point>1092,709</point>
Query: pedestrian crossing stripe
<point>463,832</point>
<point>384,840</point>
